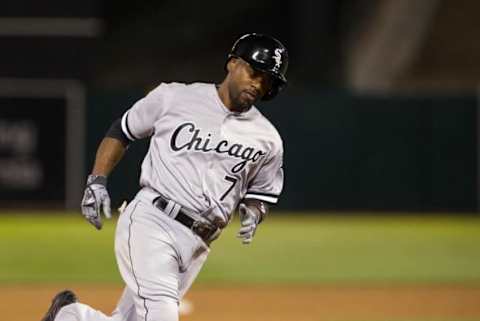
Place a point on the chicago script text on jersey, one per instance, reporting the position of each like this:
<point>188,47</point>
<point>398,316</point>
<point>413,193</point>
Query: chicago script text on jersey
<point>195,141</point>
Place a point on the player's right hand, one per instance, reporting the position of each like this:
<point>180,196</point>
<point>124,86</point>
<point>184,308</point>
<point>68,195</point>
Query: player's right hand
<point>96,199</point>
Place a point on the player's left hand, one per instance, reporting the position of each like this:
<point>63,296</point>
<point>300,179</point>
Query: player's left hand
<point>249,221</point>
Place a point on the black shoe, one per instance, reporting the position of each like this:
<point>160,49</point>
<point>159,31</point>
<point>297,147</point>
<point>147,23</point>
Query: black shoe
<point>60,300</point>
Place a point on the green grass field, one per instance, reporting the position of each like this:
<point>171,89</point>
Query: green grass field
<point>47,248</point>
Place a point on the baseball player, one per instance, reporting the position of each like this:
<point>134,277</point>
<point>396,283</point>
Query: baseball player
<point>211,152</point>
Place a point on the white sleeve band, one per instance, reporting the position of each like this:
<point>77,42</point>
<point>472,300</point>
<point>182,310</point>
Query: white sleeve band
<point>125,128</point>
<point>269,198</point>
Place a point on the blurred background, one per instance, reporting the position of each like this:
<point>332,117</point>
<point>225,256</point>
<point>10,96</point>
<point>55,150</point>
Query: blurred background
<point>380,119</point>
<point>380,112</point>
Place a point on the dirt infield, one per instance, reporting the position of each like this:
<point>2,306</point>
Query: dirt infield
<point>279,303</point>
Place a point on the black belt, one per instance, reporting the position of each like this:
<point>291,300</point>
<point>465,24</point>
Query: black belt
<point>204,230</point>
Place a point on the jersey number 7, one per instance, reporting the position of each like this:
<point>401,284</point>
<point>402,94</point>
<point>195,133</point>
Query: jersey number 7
<point>232,180</point>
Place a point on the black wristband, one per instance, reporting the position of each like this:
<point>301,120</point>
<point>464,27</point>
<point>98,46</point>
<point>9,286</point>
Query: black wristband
<point>97,179</point>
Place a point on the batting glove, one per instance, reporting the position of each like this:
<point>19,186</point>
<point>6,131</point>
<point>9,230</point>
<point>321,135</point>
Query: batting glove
<point>96,198</point>
<point>249,221</point>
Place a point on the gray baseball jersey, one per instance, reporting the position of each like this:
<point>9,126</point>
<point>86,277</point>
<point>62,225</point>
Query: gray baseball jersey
<point>202,155</point>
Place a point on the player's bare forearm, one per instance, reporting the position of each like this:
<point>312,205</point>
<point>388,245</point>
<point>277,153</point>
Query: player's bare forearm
<point>109,153</point>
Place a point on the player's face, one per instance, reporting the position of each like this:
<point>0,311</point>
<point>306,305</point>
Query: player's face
<point>247,85</point>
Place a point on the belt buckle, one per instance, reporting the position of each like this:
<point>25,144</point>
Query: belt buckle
<point>194,226</point>
<point>202,230</point>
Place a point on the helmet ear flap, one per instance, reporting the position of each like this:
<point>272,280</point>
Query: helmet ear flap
<point>277,87</point>
<point>270,94</point>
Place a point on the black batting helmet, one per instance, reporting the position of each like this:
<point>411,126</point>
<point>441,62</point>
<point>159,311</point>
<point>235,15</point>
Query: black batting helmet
<point>266,54</point>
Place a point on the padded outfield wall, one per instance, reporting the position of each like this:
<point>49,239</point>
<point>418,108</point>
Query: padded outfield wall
<point>347,152</point>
